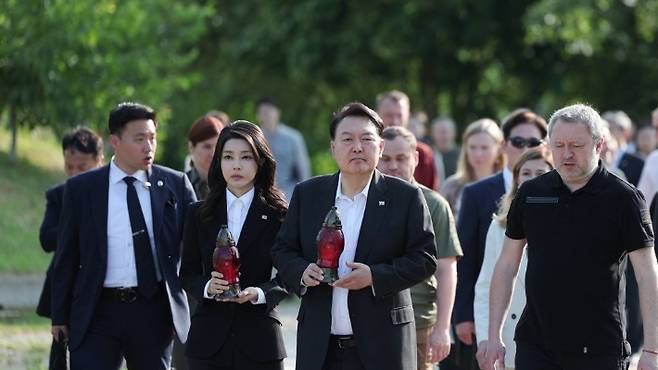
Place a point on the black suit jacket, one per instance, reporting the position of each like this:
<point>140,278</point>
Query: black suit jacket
<point>256,328</point>
<point>81,256</point>
<point>631,165</point>
<point>48,239</point>
<point>396,241</point>
<point>478,204</point>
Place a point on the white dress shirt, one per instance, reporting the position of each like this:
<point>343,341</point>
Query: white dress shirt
<point>508,177</point>
<point>236,214</point>
<point>648,184</point>
<point>351,212</point>
<point>236,211</point>
<point>121,269</point>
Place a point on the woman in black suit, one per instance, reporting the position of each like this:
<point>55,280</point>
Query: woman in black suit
<point>243,333</point>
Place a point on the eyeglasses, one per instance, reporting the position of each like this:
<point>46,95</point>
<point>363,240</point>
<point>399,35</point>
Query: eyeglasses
<point>521,142</point>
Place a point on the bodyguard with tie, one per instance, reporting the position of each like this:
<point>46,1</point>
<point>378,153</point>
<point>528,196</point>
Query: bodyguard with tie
<point>363,321</point>
<point>116,291</point>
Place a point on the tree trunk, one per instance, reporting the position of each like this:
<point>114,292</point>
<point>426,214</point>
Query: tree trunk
<point>14,130</point>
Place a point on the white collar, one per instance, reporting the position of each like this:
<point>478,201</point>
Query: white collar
<point>507,178</point>
<point>246,198</point>
<point>339,192</point>
<point>117,174</point>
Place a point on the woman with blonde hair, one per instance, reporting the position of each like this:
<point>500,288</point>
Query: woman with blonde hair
<point>480,157</point>
<point>531,164</point>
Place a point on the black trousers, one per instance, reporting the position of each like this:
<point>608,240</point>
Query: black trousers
<point>461,357</point>
<point>230,357</point>
<point>342,355</point>
<point>57,359</point>
<point>178,358</point>
<point>141,332</point>
<point>532,357</point>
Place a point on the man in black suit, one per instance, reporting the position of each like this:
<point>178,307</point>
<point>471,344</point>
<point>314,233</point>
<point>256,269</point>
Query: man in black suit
<point>83,151</point>
<point>364,320</point>
<point>631,165</point>
<point>522,129</point>
<point>116,267</point>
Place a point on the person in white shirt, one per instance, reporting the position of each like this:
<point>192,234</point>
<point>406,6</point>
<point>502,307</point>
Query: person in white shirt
<point>530,165</point>
<point>364,320</point>
<point>117,293</point>
<point>243,332</point>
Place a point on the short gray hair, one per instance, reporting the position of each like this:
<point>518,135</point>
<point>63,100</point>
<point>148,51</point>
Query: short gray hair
<point>446,121</point>
<point>578,113</point>
<point>390,133</point>
<point>619,119</point>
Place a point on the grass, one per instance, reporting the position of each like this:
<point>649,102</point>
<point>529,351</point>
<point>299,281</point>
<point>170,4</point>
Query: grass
<point>22,198</point>
<point>25,340</point>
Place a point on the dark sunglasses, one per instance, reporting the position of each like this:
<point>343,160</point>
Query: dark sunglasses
<point>521,142</point>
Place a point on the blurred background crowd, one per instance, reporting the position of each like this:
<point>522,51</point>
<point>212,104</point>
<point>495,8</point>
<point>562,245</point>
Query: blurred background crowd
<point>453,71</point>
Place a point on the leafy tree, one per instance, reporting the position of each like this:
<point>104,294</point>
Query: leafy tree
<point>64,63</point>
<point>603,51</point>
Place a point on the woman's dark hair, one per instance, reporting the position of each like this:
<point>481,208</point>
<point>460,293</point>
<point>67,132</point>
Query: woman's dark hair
<point>264,185</point>
<point>84,141</point>
<point>126,112</point>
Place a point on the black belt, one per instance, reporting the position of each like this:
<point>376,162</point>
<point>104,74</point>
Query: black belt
<point>342,341</point>
<point>124,295</point>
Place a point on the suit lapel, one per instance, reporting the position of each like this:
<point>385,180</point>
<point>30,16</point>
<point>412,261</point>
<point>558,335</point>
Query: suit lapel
<point>160,195</point>
<point>326,200</point>
<point>98,196</point>
<point>257,218</point>
<point>209,229</point>
<point>376,206</point>
<point>500,186</point>
<point>319,206</point>
<point>498,190</point>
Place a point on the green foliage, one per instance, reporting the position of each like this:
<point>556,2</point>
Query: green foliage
<point>68,62</point>
<point>323,163</point>
<point>64,63</point>
<point>602,51</point>
<point>25,341</point>
<point>22,195</point>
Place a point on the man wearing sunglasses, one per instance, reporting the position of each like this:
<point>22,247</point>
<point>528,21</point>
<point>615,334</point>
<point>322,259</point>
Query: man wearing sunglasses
<point>522,130</point>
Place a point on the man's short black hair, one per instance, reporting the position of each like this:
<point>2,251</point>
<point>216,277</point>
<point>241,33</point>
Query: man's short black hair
<point>521,116</point>
<point>83,140</point>
<point>356,109</point>
<point>126,112</point>
<point>266,101</point>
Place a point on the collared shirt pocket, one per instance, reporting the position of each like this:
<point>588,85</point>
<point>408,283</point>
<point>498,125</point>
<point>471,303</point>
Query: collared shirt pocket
<point>402,315</point>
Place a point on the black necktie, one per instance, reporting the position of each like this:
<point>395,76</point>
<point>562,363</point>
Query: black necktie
<point>147,283</point>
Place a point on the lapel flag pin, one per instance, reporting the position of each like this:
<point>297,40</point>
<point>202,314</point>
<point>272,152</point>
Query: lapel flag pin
<point>381,203</point>
<point>264,217</point>
<point>160,183</point>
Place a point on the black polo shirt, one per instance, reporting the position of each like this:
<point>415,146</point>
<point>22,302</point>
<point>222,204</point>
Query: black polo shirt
<point>577,253</point>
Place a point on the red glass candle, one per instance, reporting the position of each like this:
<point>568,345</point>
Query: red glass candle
<point>330,244</point>
<point>226,260</point>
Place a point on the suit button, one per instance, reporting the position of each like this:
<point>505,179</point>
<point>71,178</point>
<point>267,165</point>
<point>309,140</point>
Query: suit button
<point>169,256</point>
<point>79,266</point>
<point>513,316</point>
